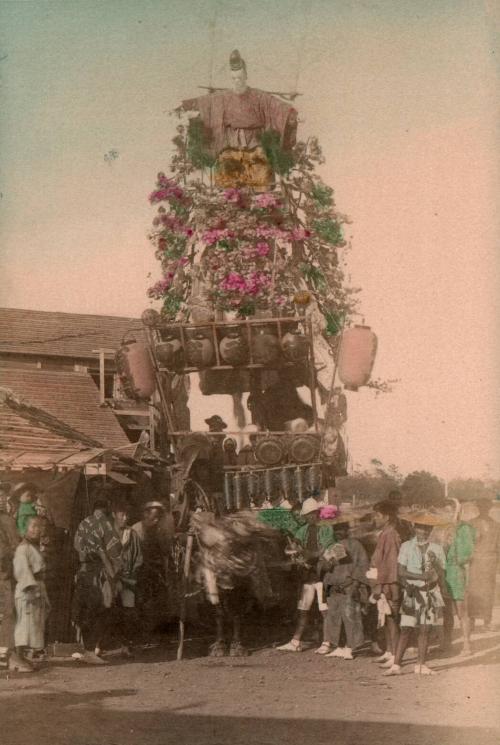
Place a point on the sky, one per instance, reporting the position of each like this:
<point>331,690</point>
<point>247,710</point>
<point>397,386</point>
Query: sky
<point>401,95</point>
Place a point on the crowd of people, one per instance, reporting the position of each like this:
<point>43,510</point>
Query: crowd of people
<point>392,584</point>
<point>415,577</point>
<point>121,568</point>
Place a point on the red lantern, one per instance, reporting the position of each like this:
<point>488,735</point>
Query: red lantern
<point>135,368</point>
<point>357,355</point>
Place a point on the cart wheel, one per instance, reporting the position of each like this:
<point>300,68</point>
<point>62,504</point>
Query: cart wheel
<point>193,497</point>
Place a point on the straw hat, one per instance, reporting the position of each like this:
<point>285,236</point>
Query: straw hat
<point>426,519</point>
<point>309,505</point>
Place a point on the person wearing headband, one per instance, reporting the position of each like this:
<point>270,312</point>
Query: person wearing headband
<point>421,565</point>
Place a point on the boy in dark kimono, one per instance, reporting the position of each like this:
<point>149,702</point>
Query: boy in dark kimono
<point>345,583</point>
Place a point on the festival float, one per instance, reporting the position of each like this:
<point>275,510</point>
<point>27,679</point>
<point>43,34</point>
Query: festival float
<point>253,303</point>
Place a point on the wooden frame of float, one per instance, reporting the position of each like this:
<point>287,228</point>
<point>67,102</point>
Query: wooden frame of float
<point>154,337</point>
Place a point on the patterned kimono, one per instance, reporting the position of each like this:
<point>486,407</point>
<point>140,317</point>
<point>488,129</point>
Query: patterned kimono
<point>32,602</point>
<point>94,590</point>
<point>422,601</point>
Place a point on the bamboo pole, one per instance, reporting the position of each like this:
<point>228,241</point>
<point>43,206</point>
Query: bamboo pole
<point>185,576</point>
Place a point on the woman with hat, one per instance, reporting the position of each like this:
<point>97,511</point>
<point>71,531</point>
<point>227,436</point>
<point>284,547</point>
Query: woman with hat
<point>313,540</point>
<point>421,564</point>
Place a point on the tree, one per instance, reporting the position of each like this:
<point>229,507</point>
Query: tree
<point>468,489</point>
<point>424,489</point>
<point>370,485</point>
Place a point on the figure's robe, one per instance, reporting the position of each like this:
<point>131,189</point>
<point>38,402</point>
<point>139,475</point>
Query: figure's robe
<point>236,120</point>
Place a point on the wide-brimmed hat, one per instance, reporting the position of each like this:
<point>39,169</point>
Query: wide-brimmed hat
<point>427,519</point>
<point>216,419</point>
<point>309,505</point>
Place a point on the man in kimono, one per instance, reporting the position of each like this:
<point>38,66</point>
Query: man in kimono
<point>99,550</point>
<point>156,533</point>
<point>233,121</point>
<point>131,561</point>
<point>483,566</point>
<point>32,602</point>
<point>9,540</point>
<point>421,565</point>
<point>385,561</point>
<point>311,540</point>
<point>345,586</point>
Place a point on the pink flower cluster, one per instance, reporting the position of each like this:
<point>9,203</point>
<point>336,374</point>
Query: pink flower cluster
<point>250,284</point>
<point>256,252</point>
<point>158,290</point>
<point>234,196</point>
<point>267,200</point>
<point>173,224</point>
<point>165,194</point>
<point>210,237</point>
<point>167,189</point>
<point>300,234</point>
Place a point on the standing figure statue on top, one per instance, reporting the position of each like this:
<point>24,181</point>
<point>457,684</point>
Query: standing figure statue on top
<point>234,121</point>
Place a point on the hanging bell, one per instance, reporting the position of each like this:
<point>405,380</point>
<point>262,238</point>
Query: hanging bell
<point>285,481</point>
<point>299,483</point>
<point>228,492</point>
<point>268,483</point>
<point>252,483</point>
<point>314,478</point>
<point>239,501</point>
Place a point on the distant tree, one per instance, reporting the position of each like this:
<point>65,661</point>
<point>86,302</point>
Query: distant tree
<point>423,488</point>
<point>467,489</point>
<point>370,485</point>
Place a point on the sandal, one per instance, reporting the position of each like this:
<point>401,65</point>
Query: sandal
<point>325,648</point>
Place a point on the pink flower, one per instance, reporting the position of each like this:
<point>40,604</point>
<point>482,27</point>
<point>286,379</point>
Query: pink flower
<point>161,287</point>
<point>266,201</point>
<point>262,249</point>
<point>210,237</point>
<point>168,190</point>
<point>300,234</point>
<point>233,195</point>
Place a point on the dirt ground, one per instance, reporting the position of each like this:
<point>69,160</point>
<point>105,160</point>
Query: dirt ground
<point>268,698</point>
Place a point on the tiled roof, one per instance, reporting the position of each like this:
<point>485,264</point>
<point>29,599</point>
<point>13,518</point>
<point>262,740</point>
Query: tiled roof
<point>61,334</point>
<point>18,434</point>
<point>71,397</point>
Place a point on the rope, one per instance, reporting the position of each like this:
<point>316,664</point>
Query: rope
<point>306,25</point>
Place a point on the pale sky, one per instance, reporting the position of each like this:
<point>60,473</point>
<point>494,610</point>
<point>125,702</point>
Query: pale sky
<point>402,95</point>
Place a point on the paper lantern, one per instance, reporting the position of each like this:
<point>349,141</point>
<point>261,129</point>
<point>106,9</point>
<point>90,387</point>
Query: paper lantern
<point>357,356</point>
<point>135,368</point>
